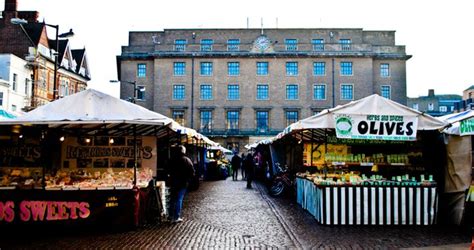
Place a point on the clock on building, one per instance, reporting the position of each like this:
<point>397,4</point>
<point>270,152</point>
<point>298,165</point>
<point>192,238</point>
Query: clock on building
<point>262,43</point>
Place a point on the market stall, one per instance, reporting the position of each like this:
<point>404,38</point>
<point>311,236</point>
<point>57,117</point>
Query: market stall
<point>459,184</point>
<point>369,162</point>
<point>84,159</point>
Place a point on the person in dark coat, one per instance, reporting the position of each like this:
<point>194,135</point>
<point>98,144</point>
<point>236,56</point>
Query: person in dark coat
<point>181,172</point>
<point>248,164</point>
<point>242,158</point>
<point>235,162</point>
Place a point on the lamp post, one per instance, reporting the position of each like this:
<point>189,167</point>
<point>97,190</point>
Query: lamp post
<point>70,33</point>
<point>135,89</point>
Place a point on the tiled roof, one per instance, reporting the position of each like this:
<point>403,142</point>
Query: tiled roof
<point>34,30</point>
<point>472,87</point>
<point>78,56</point>
<point>62,47</point>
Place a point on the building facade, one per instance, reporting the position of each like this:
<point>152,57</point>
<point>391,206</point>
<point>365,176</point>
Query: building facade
<point>435,105</point>
<point>15,83</point>
<point>242,85</point>
<point>30,42</point>
<point>467,101</point>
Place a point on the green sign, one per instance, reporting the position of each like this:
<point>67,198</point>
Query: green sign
<point>467,127</point>
<point>376,127</point>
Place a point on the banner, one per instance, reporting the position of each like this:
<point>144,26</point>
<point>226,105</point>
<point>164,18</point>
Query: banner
<point>467,127</point>
<point>376,127</point>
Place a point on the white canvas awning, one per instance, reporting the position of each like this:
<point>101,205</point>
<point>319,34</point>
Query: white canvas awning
<point>454,120</point>
<point>371,105</point>
<point>90,107</point>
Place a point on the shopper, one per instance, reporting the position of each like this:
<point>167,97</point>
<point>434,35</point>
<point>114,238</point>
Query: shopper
<point>248,164</point>
<point>235,162</point>
<point>242,158</point>
<point>181,172</point>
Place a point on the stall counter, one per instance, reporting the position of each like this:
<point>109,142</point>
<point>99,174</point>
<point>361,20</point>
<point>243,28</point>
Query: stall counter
<point>368,205</point>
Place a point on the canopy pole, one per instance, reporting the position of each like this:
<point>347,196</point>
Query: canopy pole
<point>325,152</point>
<point>43,181</point>
<point>135,155</point>
<point>311,154</point>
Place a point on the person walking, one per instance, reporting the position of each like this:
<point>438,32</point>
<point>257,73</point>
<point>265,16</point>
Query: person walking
<point>181,172</point>
<point>235,162</point>
<point>242,158</point>
<point>248,164</point>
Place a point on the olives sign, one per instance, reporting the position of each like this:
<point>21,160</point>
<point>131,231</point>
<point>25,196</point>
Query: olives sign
<point>376,127</point>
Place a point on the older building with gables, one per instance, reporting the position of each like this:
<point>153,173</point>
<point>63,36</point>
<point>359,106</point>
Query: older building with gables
<point>30,41</point>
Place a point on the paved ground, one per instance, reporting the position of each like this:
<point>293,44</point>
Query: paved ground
<point>224,214</point>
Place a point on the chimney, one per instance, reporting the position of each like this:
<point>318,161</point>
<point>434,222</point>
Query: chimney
<point>11,5</point>
<point>431,93</point>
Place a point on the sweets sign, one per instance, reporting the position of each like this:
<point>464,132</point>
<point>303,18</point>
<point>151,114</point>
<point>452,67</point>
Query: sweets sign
<point>376,127</point>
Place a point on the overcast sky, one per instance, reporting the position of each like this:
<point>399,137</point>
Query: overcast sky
<point>437,33</point>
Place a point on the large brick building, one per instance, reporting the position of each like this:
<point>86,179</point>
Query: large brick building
<point>239,85</point>
<point>30,41</point>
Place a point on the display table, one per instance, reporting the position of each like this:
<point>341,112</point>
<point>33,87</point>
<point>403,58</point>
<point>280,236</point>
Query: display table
<point>368,205</point>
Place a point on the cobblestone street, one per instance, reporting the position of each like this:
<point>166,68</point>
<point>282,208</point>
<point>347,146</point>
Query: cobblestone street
<point>224,214</point>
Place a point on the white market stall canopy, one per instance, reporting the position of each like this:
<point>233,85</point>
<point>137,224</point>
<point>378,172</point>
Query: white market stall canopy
<point>90,107</point>
<point>90,112</point>
<point>388,120</point>
<point>461,123</point>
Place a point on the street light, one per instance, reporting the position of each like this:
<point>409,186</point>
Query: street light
<point>70,33</point>
<point>135,89</point>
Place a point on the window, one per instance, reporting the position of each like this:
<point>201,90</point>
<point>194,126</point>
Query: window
<point>262,68</point>
<point>179,92</point>
<point>233,92</point>
<point>206,44</point>
<point>319,68</point>
<point>319,92</point>
<point>206,92</point>
<point>347,92</point>
<point>233,45</point>
<point>232,120</point>
<point>346,68</point>
<point>262,121</point>
<point>1,98</point>
<point>415,106</point>
<point>178,116</point>
<point>345,44</point>
<point>292,92</point>
<point>27,86</point>
<point>292,68</point>
<point>206,68</point>
<point>233,68</point>
<point>141,70</point>
<point>443,109</point>
<point>14,85</point>
<point>140,93</point>
<point>291,117</point>
<point>385,91</point>
<point>206,120</point>
<point>291,44</point>
<point>430,106</point>
<point>384,70</point>
<point>262,92</point>
<point>179,68</point>
<point>180,45</point>
<point>318,44</point>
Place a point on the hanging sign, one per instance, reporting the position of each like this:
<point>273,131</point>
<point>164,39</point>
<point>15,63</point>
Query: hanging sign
<point>376,127</point>
<point>467,127</point>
